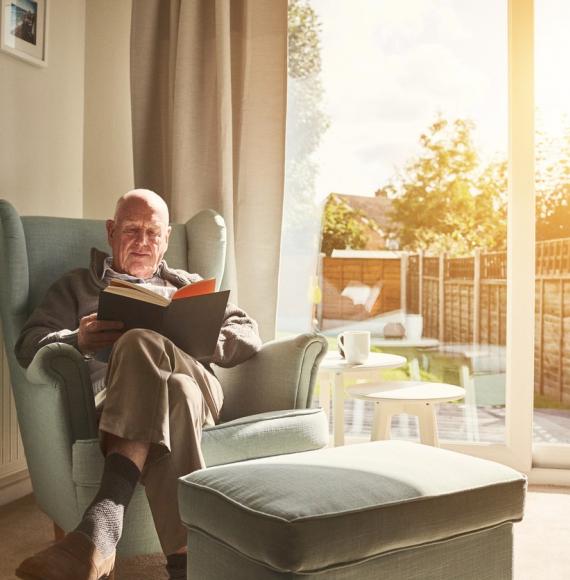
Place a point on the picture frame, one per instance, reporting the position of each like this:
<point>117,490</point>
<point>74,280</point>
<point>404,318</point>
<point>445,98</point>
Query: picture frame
<point>24,29</point>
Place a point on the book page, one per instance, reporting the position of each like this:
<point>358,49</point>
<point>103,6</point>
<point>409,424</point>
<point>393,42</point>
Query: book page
<point>137,293</point>
<point>197,289</point>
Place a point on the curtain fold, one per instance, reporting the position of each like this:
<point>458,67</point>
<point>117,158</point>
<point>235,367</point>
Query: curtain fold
<point>208,90</point>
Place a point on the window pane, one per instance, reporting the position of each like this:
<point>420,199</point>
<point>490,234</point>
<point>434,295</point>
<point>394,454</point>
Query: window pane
<point>552,337</point>
<point>396,174</point>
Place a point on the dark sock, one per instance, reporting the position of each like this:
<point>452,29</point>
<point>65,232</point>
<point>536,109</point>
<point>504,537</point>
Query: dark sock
<point>103,519</point>
<point>176,566</point>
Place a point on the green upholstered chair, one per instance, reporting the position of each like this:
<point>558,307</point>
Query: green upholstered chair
<point>267,408</point>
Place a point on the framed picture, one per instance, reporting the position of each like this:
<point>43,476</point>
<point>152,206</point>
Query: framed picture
<point>23,31</point>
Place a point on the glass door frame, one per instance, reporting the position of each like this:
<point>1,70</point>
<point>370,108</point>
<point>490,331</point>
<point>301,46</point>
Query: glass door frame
<point>518,448</point>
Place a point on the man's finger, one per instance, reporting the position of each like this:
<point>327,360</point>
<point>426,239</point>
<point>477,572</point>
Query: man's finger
<point>103,325</point>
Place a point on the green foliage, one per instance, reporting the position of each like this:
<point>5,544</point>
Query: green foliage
<point>306,121</point>
<point>303,40</point>
<point>553,186</point>
<point>342,228</point>
<point>444,200</point>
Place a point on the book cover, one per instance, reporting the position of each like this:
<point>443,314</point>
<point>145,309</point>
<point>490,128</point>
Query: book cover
<point>192,322</point>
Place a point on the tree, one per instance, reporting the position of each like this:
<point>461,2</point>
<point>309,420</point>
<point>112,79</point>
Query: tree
<point>306,121</point>
<point>341,228</point>
<point>553,186</point>
<point>443,200</point>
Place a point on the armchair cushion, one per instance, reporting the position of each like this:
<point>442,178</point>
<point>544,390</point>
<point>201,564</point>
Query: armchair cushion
<point>265,434</point>
<point>280,376</point>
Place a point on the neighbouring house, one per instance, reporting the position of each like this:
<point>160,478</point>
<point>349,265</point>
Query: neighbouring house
<point>375,218</point>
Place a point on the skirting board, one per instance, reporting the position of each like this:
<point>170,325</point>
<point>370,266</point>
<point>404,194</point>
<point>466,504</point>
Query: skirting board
<point>14,486</point>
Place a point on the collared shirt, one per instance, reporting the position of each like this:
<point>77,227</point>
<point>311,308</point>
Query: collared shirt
<point>98,368</point>
<point>156,283</point>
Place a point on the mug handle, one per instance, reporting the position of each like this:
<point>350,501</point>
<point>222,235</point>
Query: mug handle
<point>340,344</point>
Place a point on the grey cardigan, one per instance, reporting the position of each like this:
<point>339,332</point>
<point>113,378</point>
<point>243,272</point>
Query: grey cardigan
<point>76,294</point>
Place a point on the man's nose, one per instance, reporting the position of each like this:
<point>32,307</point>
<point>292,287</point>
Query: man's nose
<point>142,238</point>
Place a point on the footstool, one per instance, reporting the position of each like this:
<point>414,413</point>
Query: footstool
<point>386,509</point>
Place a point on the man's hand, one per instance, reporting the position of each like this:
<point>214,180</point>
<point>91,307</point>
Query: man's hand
<point>95,335</point>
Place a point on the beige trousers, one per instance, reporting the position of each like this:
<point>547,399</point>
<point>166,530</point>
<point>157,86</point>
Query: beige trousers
<point>159,394</point>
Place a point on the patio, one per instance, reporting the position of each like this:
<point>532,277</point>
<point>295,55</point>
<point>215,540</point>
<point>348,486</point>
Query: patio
<point>550,425</point>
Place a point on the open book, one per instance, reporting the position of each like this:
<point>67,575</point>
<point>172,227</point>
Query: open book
<point>192,319</point>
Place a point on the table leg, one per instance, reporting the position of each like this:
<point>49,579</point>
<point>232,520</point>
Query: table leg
<point>427,424</point>
<point>381,422</point>
<point>325,385</point>
<point>415,369</point>
<point>472,420</point>
<point>338,410</point>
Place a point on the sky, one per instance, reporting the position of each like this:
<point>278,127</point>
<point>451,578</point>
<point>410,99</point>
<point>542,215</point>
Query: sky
<point>390,66</point>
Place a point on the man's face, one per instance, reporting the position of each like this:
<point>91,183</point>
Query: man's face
<point>138,238</point>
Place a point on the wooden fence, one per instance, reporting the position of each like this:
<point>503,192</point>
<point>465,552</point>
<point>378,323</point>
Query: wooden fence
<point>464,300</point>
<point>340,273</point>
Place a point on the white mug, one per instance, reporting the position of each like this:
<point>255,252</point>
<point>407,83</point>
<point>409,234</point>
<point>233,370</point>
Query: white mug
<point>414,326</point>
<point>354,345</point>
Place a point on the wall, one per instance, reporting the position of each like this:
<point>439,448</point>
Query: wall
<point>41,168</point>
<point>41,120</point>
<point>108,153</point>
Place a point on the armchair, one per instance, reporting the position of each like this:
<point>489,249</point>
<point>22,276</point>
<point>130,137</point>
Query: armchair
<point>267,407</point>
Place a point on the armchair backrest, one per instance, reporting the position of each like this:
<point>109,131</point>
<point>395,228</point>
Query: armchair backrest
<point>36,251</point>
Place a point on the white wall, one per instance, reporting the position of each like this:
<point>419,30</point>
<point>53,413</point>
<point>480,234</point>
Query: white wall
<point>41,169</point>
<point>108,154</point>
<point>41,120</point>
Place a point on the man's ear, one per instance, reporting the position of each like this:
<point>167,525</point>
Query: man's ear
<point>110,225</point>
<point>168,234</point>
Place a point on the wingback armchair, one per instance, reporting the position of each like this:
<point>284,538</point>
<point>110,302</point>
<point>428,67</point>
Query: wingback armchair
<point>267,407</point>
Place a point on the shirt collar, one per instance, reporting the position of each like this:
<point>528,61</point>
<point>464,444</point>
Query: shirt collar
<point>108,272</point>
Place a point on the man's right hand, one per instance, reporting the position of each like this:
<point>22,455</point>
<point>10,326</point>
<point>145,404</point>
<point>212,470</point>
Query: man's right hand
<point>95,335</point>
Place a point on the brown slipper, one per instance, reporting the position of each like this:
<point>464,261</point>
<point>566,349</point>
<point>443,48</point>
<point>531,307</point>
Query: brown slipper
<point>73,558</point>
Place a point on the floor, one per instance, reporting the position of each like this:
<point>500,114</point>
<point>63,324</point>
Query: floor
<point>457,422</point>
<point>541,550</point>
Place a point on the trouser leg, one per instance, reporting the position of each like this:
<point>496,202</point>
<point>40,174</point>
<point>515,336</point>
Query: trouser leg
<point>159,394</point>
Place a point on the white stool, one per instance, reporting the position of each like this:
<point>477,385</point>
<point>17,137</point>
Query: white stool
<point>412,397</point>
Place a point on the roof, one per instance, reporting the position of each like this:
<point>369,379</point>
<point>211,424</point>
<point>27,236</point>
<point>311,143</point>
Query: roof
<point>376,208</point>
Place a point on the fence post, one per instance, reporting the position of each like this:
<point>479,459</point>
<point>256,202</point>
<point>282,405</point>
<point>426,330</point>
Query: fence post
<point>541,343</point>
<point>321,285</point>
<point>441,298</point>
<point>404,282</point>
<point>561,329</point>
<point>420,281</point>
<point>477,296</point>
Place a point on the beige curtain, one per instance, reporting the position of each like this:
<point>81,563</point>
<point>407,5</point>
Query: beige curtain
<point>209,82</point>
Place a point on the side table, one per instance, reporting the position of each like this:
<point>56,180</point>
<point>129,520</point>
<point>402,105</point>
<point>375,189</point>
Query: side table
<point>332,372</point>
<point>413,397</point>
<point>412,349</point>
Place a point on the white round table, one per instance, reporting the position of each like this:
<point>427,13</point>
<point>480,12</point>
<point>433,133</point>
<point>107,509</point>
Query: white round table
<point>332,372</point>
<point>412,397</point>
<point>411,348</point>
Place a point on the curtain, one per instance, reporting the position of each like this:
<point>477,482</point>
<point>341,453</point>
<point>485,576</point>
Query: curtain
<point>208,90</point>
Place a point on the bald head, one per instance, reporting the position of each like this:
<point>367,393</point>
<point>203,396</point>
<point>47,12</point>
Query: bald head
<point>141,197</point>
<point>138,234</point>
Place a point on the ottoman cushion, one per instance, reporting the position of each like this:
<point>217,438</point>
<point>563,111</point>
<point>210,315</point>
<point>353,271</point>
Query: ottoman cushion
<point>310,511</point>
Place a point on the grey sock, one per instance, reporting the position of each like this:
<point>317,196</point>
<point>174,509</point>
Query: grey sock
<point>176,566</point>
<point>103,519</point>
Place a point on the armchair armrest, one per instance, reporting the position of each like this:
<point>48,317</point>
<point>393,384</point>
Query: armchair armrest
<point>280,376</point>
<point>63,367</point>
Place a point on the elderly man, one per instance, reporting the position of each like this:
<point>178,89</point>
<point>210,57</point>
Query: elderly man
<point>157,400</point>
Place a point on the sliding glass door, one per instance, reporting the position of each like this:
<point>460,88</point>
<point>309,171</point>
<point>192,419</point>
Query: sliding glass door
<point>410,203</point>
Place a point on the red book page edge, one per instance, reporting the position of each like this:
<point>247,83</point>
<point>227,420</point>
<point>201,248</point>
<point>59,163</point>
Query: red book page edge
<point>196,289</point>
